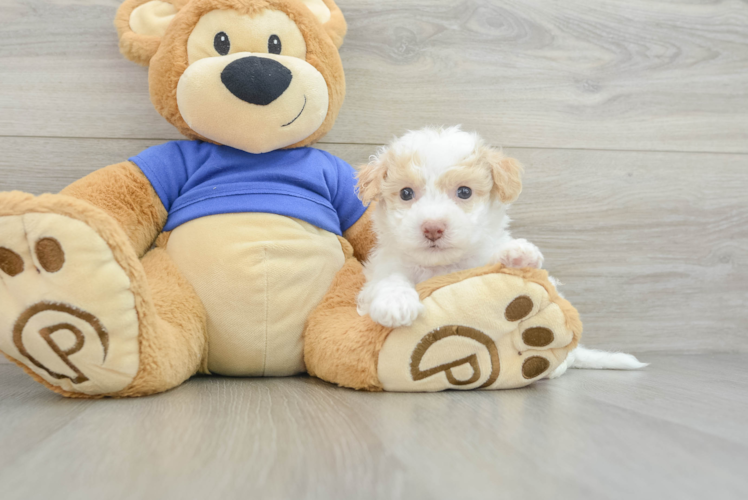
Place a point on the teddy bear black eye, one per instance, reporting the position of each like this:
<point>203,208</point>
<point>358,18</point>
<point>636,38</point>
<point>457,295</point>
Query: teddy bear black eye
<point>464,192</point>
<point>221,43</point>
<point>274,44</point>
<point>406,194</point>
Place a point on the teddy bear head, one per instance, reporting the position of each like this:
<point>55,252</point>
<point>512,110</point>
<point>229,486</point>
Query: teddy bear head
<point>256,75</point>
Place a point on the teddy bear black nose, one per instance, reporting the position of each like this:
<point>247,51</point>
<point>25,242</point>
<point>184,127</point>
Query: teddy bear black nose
<point>256,80</point>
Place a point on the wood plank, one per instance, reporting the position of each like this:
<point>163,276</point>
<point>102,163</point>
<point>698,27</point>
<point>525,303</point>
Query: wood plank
<point>589,434</point>
<point>610,450</point>
<point>639,75</point>
<point>652,248</point>
<point>28,415</point>
<point>669,380</point>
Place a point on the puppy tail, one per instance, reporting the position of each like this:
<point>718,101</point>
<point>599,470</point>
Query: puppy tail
<point>595,359</point>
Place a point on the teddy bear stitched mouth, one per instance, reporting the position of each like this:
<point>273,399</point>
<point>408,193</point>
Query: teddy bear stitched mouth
<point>297,116</point>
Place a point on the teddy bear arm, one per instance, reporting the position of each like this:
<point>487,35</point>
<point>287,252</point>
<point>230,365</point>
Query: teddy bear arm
<point>361,235</point>
<point>124,192</point>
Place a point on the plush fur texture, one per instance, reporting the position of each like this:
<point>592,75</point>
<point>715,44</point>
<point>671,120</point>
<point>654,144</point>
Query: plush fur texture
<point>180,348</point>
<point>339,345</point>
<point>362,236</point>
<point>136,47</point>
<point>124,193</point>
<point>435,231</point>
<point>538,276</point>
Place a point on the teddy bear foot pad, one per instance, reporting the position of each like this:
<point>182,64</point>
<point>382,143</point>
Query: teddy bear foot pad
<point>68,313</point>
<point>463,341</point>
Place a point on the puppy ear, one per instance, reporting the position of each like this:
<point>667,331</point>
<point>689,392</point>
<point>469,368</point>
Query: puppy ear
<point>141,24</point>
<point>329,15</point>
<point>370,178</point>
<point>507,175</point>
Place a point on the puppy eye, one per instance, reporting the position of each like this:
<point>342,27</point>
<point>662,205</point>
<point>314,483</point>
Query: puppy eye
<point>274,44</point>
<point>406,194</point>
<point>464,192</point>
<point>221,43</point>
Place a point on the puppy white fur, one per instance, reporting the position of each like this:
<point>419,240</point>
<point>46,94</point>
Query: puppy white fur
<point>442,197</point>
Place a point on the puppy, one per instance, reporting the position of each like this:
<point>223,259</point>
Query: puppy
<point>442,197</point>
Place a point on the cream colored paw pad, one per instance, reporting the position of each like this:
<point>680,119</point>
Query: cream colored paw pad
<point>428,354</point>
<point>67,311</point>
<point>489,332</point>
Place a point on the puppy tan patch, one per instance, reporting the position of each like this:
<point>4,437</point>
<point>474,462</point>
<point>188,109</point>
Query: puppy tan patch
<point>386,176</point>
<point>474,176</point>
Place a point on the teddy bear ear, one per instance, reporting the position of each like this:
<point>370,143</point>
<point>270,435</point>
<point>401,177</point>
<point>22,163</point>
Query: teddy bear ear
<point>331,18</point>
<point>141,24</point>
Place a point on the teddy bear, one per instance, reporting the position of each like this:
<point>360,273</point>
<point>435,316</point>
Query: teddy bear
<point>238,250</point>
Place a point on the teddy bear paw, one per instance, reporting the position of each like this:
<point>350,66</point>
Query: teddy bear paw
<point>68,313</point>
<point>495,331</point>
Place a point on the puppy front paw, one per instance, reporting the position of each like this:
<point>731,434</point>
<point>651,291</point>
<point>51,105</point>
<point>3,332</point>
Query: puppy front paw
<point>520,253</point>
<point>396,307</point>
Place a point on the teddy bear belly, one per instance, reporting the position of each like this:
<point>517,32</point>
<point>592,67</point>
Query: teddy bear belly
<point>259,276</point>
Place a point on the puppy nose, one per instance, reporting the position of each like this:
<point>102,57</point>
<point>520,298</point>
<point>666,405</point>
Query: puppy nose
<point>433,229</point>
<point>256,80</point>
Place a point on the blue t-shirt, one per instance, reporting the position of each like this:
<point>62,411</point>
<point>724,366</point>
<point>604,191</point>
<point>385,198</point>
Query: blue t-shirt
<point>195,179</point>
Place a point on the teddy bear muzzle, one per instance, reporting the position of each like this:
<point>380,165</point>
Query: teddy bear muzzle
<point>253,102</point>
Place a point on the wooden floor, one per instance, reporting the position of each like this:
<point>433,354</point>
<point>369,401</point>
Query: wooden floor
<point>631,117</point>
<point>674,431</point>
